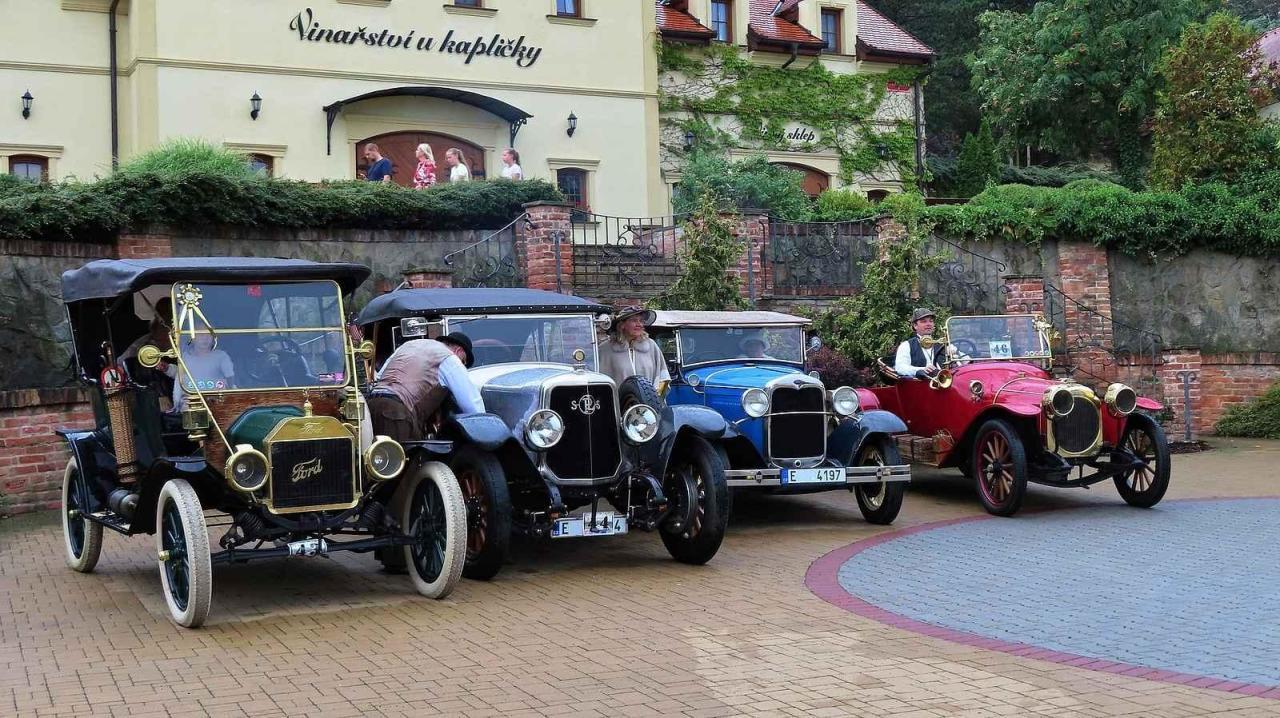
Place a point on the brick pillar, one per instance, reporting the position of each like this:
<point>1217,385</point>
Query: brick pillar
<point>32,456</point>
<point>1090,337</point>
<point>148,244</point>
<point>537,243</point>
<point>1182,361</point>
<point>429,277</point>
<point>752,228</point>
<point>1023,294</point>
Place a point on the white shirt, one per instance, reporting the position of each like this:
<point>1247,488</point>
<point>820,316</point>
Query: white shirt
<point>212,372</point>
<point>902,365</point>
<point>459,173</point>
<point>512,172</point>
<point>454,377</point>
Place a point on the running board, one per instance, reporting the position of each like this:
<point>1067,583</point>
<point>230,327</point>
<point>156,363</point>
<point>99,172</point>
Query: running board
<point>111,520</point>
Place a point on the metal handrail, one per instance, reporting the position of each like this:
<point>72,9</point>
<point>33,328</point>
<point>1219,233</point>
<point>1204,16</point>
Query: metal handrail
<point>448,258</point>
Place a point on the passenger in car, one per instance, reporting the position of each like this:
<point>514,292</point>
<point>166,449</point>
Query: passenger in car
<point>415,381</point>
<point>205,367</point>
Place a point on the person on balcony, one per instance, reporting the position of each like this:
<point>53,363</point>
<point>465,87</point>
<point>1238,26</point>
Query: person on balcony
<point>425,174</point>
<point>511,165</point>
<point>913,361</point>
<point>380,168</point>
<point>459,170</point>
<point>630,352</point>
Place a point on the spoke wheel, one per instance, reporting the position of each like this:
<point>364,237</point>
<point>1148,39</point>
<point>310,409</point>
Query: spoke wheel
<point>435,517</point>
<point>1145,485</point>
<point>879,502</point>
<point>488,503</point>
<point>699,493</point>
<point>1000,465</point>
<point>82,538</point>
<point>182,543</point>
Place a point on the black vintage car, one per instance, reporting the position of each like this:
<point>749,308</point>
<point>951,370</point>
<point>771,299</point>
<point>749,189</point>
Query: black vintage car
<point>561,453</point>
<point>228,384</point>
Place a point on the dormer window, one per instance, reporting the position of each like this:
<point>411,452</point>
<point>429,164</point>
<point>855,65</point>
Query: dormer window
<point>831,22</point>
<point>722,20</point>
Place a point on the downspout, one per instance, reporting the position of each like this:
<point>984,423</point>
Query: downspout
<point>919,122</point>
<point>115,105</point>
<point>795,53</point>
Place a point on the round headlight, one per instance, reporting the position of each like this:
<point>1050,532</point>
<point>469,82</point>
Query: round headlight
<point>1059,400</point>
<point>755,402</point>
<point>246,469</point>
<point>640,423</point>
<point>544,429</point>
<point>384,459</point>
<point>845,401</point>
<point>1121,399</point>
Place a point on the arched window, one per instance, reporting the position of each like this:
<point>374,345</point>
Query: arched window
<point>263,165</point>
<point>31,168</point>
<point>573,185</point>
<point>876,195</point>
<point>815,182</point>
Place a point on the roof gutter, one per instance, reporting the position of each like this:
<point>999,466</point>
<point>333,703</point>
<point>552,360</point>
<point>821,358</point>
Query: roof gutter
<point>115,103</point>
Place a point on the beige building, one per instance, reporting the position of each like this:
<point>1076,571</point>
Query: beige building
<point>573,85</point>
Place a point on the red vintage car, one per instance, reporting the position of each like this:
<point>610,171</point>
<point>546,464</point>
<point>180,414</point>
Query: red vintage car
<point>996,413</point>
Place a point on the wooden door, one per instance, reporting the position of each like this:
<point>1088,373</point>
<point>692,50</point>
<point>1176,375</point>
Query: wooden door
<point>815,182</point>
<point>400,148</point>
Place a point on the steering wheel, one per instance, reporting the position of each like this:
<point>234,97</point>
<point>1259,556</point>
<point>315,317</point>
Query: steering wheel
<point>966,347</point>
<point>269,362</point>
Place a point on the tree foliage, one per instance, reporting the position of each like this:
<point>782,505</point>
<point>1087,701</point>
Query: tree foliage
<point>979,162</point>
<point>710,250</point>
<point>1077,77</point>
<point>1207,121</point>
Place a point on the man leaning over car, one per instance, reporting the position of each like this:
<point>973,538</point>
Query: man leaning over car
<point>913,360</point>
<point>416,379</point>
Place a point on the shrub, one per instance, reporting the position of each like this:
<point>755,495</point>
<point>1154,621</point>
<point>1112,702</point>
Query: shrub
<point>710,250</point>
<point>752,183</point>
<point>836,370</point>
<point>1258,419</point>
<point>842,205</point>
<point>979,163</point>
<point>187,155</point>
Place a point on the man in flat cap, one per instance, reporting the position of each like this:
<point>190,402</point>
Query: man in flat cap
<point>416,379</point>
<point>913,360</point>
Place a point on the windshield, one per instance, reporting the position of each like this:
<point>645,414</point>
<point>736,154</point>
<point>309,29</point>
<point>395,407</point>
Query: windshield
<point>784,344</point>
<point>498,340</point>
<point>260,336</point>
<point>1014,336</point>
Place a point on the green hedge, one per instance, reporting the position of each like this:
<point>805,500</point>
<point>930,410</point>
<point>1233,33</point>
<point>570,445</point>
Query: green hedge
<point>198,197</point>
<point>1258,419</point>
<point>1242,218</point>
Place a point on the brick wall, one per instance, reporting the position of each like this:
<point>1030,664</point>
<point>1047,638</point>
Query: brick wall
<point>32,456</point>
<point>753,229</point>
<point>145,245</point>
<point>1023,293</point>
<point>429,277</point>
<point>1085,275</point>
<point>536,247</point>
<point>1233,378</point>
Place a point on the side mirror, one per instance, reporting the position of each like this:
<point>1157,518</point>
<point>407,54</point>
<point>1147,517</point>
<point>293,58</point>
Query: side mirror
<point>815,343</point>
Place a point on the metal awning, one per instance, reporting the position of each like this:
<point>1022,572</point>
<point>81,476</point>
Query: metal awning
<point>515,117</point>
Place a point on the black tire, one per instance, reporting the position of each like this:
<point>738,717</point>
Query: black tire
<point>1144,487</point>
<point>1000,464</point>
<point>484,490</point>
<point>696,471</point>
<point>638,390</point>
<point>879,502</point>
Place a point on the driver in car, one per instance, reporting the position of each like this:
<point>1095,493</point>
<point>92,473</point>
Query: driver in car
<point>205,367</point>
<point>414,382</point>
<point>913,360</point>
<point>754,346</point>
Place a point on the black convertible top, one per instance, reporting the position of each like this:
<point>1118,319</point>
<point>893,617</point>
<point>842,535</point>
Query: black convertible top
<point>481,300</point>
<point>106,278</point>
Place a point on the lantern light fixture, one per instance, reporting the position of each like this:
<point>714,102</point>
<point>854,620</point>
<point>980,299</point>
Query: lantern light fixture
<point>573,124</point>
<point>26,104</point>
<point>255,105</point>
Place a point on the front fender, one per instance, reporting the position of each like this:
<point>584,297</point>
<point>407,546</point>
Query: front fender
<point>679,421</point>
<point>488,431</point>
<point>847,440</point>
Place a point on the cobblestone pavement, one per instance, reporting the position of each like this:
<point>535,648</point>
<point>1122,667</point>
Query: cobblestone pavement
<point>610,626</point>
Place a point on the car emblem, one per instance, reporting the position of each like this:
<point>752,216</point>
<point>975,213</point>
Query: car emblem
<point>306,470</point>
<point>587,405</point>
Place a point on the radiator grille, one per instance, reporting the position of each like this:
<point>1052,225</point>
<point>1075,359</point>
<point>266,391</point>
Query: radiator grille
<point>311,474</point>
<point>1078,431</point>
<point>798,436</point>
<point>589,449</point>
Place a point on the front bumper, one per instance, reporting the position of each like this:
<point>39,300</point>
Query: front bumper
<point>745,478</point>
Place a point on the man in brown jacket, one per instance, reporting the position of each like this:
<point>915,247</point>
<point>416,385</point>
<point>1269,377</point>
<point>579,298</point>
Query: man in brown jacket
<point>416,379</point>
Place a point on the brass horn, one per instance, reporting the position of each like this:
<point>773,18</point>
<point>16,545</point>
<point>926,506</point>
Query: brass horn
<point>941,380</point>
<point>929,342</point>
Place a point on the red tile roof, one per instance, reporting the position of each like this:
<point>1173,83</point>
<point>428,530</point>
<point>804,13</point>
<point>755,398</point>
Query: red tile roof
<point>878,35</point>
<point>674,19</point>
<point>768,27</point>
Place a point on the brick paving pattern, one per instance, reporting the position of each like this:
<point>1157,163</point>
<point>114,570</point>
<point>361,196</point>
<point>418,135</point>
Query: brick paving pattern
<point>610,627</point>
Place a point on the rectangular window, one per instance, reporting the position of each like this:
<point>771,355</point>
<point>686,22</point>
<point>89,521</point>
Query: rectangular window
<point>831,30</point>
<point>722,20</point>
<point>29,168</point>
<point>467,3</point>
<point>569,8</point>
<point>573,185</point>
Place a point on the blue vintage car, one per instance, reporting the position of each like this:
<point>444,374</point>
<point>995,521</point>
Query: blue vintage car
<point>788,432</point>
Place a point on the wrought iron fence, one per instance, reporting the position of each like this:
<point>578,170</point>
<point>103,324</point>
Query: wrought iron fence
<point>1096,347</point>
<point>490,262</point>
<point>966,281</point>
<point>624,257</point>
<point>805,258</point>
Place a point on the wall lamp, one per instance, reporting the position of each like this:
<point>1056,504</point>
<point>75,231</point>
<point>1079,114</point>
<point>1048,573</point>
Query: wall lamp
<point>689,139</point>
<point>255,103</point>
<point>26,104</point>
<point>573,124</point>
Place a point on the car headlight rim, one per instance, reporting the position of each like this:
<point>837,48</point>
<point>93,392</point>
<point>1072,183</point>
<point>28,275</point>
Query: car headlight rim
<point>1121,399</point>
<point>544,429</point>
<point>384,459</point>
<point>1059,401</point>
<point>845,401</point>
<point>755,402</point>
<point>637,431</point>
<point>247,469</point>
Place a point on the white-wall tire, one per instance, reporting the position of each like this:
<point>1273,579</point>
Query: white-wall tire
<point>181,531</point>
<point>432,508</point>
<point>81,537</point>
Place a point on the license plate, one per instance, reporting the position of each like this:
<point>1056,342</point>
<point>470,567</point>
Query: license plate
<point>308,547</point>
<point>829,475</point>
<point>606,524</point>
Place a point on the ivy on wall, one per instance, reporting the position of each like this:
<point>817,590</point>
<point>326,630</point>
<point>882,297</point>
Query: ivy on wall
<point>727,101</point>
